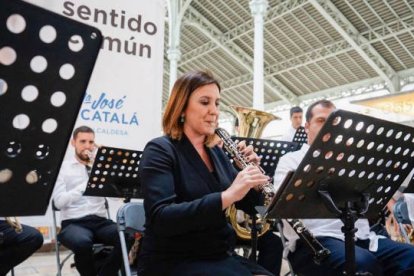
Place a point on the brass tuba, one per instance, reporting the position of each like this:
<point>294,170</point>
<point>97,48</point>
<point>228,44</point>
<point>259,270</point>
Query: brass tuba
<point>251,124</point>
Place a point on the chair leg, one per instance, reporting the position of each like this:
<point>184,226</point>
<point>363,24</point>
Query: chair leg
<point>57,243</point>
<point>282,237</point>
<point>57,252</point>
<point>59,263</point>
<point>124,253</point>
<point>403,233</point>
<point>65,259</point>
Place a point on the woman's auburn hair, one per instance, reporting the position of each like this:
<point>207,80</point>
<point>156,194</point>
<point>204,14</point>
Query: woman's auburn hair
<point>178,101</point>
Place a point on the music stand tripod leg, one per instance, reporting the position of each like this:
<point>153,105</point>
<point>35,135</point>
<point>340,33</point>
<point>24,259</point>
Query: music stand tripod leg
<point>348,216</point>
<point>253,234</point>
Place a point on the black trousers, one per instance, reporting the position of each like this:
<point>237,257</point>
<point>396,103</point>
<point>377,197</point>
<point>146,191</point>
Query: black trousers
<point>270,249</point>
<point>79,235</point>
<point>391,258</point>
<point>17,247</point>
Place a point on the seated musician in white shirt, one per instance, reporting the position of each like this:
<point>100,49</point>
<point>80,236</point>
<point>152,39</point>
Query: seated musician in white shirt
<point>374,254</point>
<point>84,218</point>
<point>296,116</point>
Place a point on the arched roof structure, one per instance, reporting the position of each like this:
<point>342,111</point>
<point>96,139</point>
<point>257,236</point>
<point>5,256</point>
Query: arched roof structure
<point>332,48</point>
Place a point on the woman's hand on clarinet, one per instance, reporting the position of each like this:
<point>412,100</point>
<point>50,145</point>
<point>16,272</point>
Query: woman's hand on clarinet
<point>249,177</point>
<point>248,153</point>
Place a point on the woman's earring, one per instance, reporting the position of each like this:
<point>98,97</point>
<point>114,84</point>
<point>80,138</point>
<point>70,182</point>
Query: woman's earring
<point>182,119</point>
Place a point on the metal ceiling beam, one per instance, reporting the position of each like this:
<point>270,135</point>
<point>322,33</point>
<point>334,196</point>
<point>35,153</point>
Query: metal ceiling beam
<point>316,55</point>
<point>344,27</point>
<point>237,81</point>
<point>296,62</point>
<point>347,90</point>
<point>349,70</point>
<point>351,89</point>
<point>208,29</point>
<point>284,8</point>
<point>274,13</point>
<point>238,54</point>
<point>392,29</point>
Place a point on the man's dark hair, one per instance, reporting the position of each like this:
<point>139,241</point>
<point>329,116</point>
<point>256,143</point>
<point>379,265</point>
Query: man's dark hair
<point>324,103</point>
<point>82,129</point>
<point>295,109</point>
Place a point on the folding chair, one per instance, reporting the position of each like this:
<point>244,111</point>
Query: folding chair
<point>130,219</point>
<point>60,263</point>
<point>401,215</point>
<point>279,226</point>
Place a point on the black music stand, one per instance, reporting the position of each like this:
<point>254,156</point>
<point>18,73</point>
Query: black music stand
<point>270,151</point>
<point>44,73</point>
<point>300,136</point>
<point>352,169</point>
<point>115,174</point>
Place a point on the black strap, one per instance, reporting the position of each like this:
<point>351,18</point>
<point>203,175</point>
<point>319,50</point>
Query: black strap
<point>88,169</point>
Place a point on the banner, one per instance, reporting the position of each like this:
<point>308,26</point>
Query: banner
<point>123,100</point>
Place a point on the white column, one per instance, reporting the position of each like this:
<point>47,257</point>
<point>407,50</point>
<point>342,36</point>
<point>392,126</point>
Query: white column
<point>258,9</point>
<point>174,55</point>
<point>173,52</point>
<point>395,86</point>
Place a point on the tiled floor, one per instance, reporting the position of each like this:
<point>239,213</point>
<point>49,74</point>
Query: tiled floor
<point>44,264</point>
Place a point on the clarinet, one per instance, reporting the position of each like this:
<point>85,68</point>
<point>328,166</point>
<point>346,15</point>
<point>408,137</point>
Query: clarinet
<point>320,253</point>
<point>267,189</point>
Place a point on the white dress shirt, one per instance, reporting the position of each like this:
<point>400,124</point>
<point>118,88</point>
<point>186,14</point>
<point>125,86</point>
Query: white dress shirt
<point>290,133</point>
<point>318,227</point>
<point>68,192</point>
